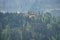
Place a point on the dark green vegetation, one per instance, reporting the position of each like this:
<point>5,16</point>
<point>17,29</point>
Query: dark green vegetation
<point>29,26</point>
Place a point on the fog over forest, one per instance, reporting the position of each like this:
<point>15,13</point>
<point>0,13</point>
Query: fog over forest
<point>29,19</point>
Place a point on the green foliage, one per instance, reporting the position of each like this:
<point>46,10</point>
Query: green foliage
<point>40,26</point>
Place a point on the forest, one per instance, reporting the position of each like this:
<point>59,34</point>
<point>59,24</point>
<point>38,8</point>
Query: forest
<point>29,26</point>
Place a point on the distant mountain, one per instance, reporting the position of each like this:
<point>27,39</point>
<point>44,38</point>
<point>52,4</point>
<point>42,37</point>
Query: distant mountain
<point>16,5</point>
<point>43,5</point>
<point>29,5</point>
<point>55,12</point>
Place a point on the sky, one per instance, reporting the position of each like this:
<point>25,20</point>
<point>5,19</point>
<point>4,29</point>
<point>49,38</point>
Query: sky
<point>29,5</point>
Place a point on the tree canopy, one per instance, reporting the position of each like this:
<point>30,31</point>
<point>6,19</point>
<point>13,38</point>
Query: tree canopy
<point>28,26</point>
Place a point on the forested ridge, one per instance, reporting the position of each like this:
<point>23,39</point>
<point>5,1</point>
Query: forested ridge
<point>29,26</point>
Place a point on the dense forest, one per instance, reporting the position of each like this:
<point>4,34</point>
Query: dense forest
<point>29,26</point>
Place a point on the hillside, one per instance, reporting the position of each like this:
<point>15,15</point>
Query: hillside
<point>29,26</point>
